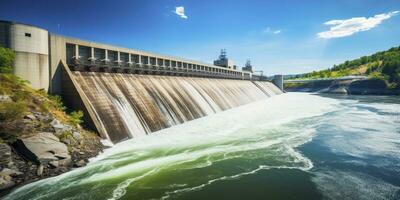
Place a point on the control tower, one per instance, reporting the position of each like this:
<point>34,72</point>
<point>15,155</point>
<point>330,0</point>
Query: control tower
<point>224,61</point>
<point>248,67</point>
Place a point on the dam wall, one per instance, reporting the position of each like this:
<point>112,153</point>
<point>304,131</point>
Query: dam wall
<point>126,93</point>
<point>124,106</point>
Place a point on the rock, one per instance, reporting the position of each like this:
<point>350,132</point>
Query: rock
<point>42,148</point>
<point>39,171</point>
<point>79,126</point>
<point>30,116</point>
<point>66,141</point>
<point>81,153</point>
<point>54,164</point>
<point>10,172</point>
<point>5,98</point>
<point>77,135</point>
<point>5,155</point>
<point>59,128</point>
<point>6,178</point>
<point>80,163</point>
<point>64,162</point>
<point>43,118</point>
<point>5,184</point>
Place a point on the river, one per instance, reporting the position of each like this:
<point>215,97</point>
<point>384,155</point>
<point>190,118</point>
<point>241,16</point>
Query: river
<point>290,146</point>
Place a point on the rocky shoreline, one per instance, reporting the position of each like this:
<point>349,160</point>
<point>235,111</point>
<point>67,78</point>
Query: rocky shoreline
<point>50,149</point>
<point>350,87</point>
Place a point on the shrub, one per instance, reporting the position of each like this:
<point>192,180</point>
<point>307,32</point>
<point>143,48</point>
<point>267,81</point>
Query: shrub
<point>76,117</point>
<point>12,110</point>
<point>57,102</point>
<point>7,57</point>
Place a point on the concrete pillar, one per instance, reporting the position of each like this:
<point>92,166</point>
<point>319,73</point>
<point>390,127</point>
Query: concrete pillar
<point>139,58</point>
<point>118,56</point>
<point>129,58</point>
<point>278,81</point>
<point>77,51</point>
<point>106,55</point>
<point>92,53</point>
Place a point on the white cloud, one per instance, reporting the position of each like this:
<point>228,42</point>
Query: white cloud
<point>347,27</point>
<point>277,32</point>
<point>269,30</point>
<point>180,11</point>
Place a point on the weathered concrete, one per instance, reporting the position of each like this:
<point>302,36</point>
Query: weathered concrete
<point>30,44</point>
<point>278,81</point>
<point>74,97</point>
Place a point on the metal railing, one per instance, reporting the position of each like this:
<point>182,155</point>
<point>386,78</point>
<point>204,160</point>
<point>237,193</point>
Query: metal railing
<point>140,68</point>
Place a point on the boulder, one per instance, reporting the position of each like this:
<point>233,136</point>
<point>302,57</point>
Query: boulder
<point>39,170</point>
<point>66,141</point>
<point>30,116</point>
<point>77,135</point>
<point>10,172</point>
<point>80,163</point>
<point>42,148</point>
<point>6,180</point>
<point>64,162</point>
<point>5,155</point>
<point>5,98</point>
<point>59,127</point>
<point>54,164</point>
<point>44,118</point>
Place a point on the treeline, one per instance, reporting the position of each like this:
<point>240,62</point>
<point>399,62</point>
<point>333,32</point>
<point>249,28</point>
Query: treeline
<point>383,65</point>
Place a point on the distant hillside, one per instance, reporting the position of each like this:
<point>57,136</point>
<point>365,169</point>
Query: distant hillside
<point>384,65</point>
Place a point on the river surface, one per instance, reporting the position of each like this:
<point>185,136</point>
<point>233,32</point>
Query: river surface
<point>290,146</point>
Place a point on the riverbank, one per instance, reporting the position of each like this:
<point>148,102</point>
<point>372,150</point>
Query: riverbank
<point>351,87</point>
<point>38,139</point>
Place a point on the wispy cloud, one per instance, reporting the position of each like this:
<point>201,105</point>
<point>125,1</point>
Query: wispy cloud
<point>269,30</point>
<point>180,11</point>
<point>347,27</point>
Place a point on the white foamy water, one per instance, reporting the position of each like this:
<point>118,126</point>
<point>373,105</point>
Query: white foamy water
<point>346,149</point>
<point>249,133</point>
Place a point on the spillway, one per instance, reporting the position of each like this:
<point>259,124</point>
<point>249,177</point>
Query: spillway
<point>130,105</point>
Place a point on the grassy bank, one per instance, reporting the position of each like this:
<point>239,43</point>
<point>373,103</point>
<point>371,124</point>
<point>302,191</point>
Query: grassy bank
<point>384,65</point>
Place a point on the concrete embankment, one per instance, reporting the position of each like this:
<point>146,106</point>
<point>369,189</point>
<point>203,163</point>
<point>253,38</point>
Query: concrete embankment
<point>353,87</point>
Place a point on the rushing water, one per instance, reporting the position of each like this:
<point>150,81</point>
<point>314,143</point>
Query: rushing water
<point>131,105</point>
<point>290,146</point>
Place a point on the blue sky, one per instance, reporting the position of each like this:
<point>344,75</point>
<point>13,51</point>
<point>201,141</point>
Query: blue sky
<point>280,37</point>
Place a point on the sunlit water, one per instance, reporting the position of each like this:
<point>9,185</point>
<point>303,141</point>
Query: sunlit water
<point>291,146</point>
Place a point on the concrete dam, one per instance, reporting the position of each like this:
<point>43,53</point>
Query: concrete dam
<point>127,93</point>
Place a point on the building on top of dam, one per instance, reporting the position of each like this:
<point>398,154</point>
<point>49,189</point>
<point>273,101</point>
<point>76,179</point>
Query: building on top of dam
<point>248,67</point>
<point>39,52</point>
<point>224,61</point>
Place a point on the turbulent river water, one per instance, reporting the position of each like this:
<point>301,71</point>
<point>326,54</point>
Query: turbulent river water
<point>290,146</point>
